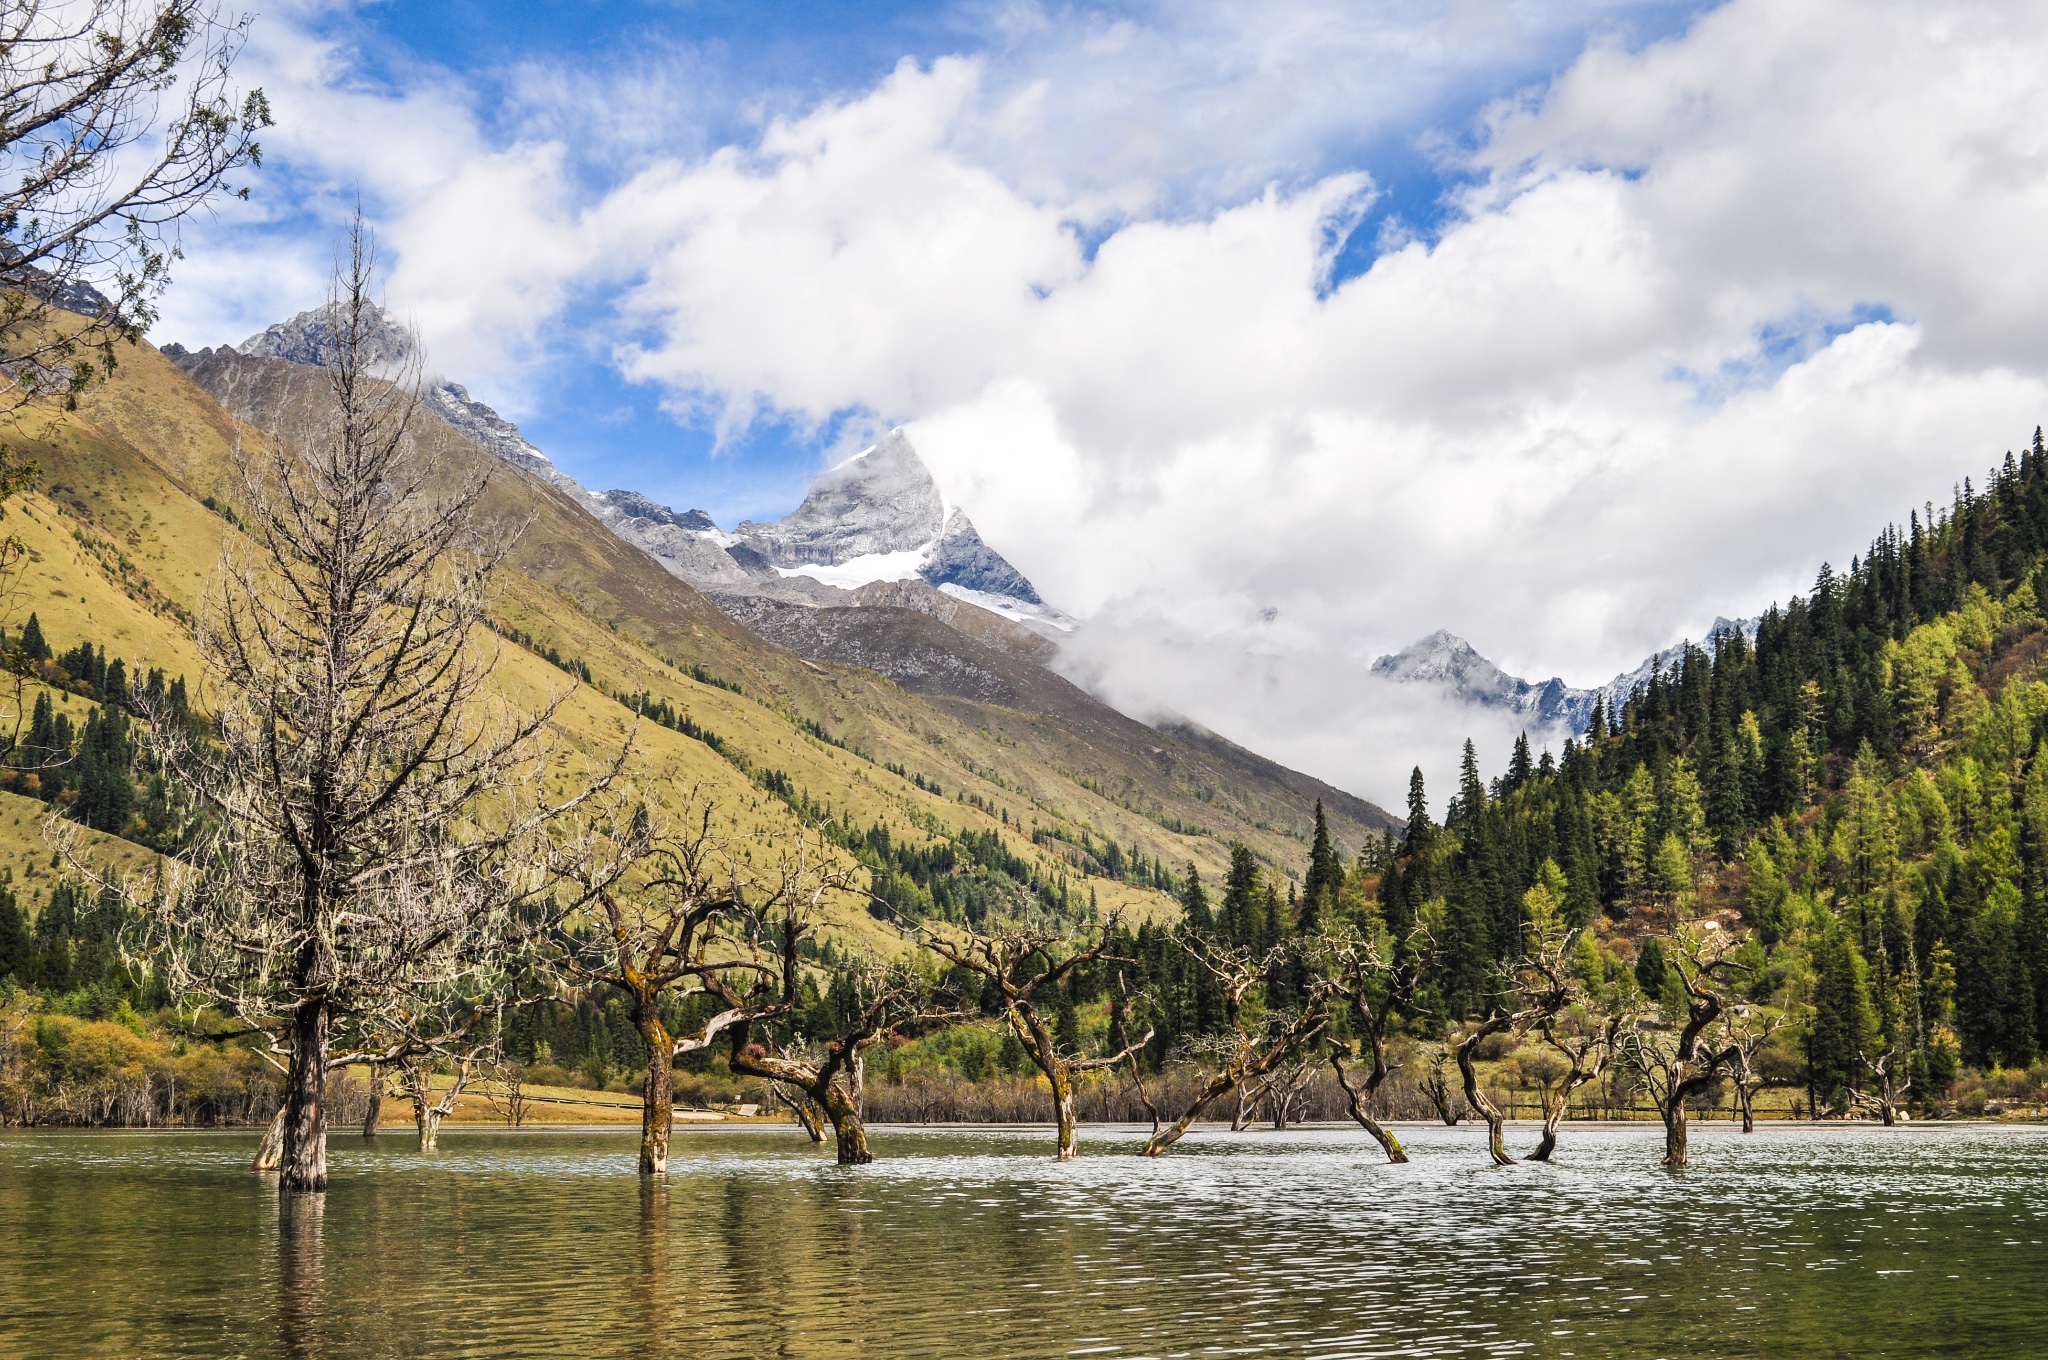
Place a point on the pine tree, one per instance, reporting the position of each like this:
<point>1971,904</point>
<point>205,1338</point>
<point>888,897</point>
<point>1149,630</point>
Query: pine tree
<point>17,946</point>
<point>1416,838</point>
<point>32,645</point>
<point>1325,876</point>
<point>1520,767</point>
<point>1844,1030</point>
<point>1195,902</point>
<point>1242,915</point>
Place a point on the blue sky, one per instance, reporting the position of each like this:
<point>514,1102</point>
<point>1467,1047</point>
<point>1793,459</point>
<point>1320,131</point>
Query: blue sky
<point>1263,337</point>
<point>726,69</point>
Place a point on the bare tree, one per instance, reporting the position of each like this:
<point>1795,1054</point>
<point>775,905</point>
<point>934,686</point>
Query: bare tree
<point>1436,1085</point>
<point>1676,1064</point>
<point>680,915</point>
<point>1894,1082</point>
<point>1019,967</point>
<point>1560,1003</point>
<point>1366,981</point>
<point>1586,1038</point>
<point>1257,1040</point>
<point>1539,985</point>
<point>878,999</point>
<point>1749,1031</point>
<point>373,807</point>
<point>117,119</point>
<point>1287,1088</point>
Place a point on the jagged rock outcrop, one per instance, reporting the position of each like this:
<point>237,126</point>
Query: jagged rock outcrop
<point>881,500</point>
<point>308,338</point>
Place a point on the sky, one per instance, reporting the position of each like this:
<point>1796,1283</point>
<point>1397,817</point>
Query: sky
<point>1264,338</point>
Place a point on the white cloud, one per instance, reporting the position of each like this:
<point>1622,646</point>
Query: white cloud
<point>1622,389</point>
<point>1491,431</point>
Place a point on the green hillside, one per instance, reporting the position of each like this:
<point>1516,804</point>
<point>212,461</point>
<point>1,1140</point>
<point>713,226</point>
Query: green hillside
<point>135,501</point>
<point>1861,793</point>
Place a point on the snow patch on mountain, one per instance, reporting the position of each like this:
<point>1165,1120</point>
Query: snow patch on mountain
<point>856,572</point>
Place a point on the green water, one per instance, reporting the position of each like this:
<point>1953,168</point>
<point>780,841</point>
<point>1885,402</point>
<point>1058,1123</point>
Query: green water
<point>1843,1242</point>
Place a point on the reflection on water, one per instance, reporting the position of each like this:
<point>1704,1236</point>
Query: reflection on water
<point>1849,1242</point>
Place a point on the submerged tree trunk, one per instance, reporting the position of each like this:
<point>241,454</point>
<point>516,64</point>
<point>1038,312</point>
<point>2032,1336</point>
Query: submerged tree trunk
<point>807,1113</point>
<point>848,1131</point>
<point>1360,1100</point>
<point>1554,1113</point>
<point>657,1096</point>
<point>270,1152</point>
<point>1496,1132</point>
<point>1674,1132</point>
<point>1166,1137</point>
<point>1745,1098</point>
<point>373,1110</point>
<point>303,1164</point>
<point>1063,1110</point>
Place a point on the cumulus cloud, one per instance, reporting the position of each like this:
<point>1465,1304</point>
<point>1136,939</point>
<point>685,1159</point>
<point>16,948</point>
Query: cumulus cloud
<point>1699,315</point>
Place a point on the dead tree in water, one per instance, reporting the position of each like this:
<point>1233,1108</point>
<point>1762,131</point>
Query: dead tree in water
<point>1894,1083</point>
<point>1019,968</point>
<point>1464,1050</point>
<point>1676,1064</point>
<point>874,1001</point>
<point>1749,1031</point>
<point>1257,1041</point>
<point>1562,1003</point>
<point>1364,981</point>
<point>681,914</point>
<point>1436,1085</point>
<point>1540,983</point>
<point>357,761</point>
<point>1586,1039</point>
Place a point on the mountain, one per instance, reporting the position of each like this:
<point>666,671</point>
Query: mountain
<point>879,516</point>
<point>865,700</point>
<point>1448,662</point>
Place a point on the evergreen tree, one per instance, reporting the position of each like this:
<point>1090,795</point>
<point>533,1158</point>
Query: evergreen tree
<point>1416,838</point>
<point>1195,902</point>
<point>17,946</point>
<point>1325,876</point>
<point>32,644</point>
<point>1243,915</point>
<point>1844,1030</point>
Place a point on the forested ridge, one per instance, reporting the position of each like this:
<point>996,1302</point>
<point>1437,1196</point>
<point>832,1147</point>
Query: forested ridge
<point>1863,786</point>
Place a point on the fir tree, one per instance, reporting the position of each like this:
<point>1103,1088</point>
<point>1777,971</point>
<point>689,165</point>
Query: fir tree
<point>1325,876</point>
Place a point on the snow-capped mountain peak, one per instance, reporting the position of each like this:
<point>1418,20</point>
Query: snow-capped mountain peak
<point>1447,661</point>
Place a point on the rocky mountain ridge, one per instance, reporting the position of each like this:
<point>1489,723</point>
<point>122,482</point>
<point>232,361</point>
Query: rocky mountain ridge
<point>1447,662</point>
<point>879,517</point>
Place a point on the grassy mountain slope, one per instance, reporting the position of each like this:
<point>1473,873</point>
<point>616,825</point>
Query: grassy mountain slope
<point>1057,770</point>
<point>135,503</point>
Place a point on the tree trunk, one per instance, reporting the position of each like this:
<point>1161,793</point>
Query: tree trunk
<point>800,1105</point>
<point>1746,1098</point>
<point>1361,1101</point>
<point>270,1151</point>
<point>1063,1109</point>
<point>1674,1132</point>
<point>303,1167</point>
<point>847,1129</point>
<point>374,1110</point>
<point>1496,1133</point>
<point>657,1099</point>
<point>1554,1114</point>
<point>1164,1138</point>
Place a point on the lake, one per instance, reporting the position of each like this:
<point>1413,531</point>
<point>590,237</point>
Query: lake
<point>1804,1242</point>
